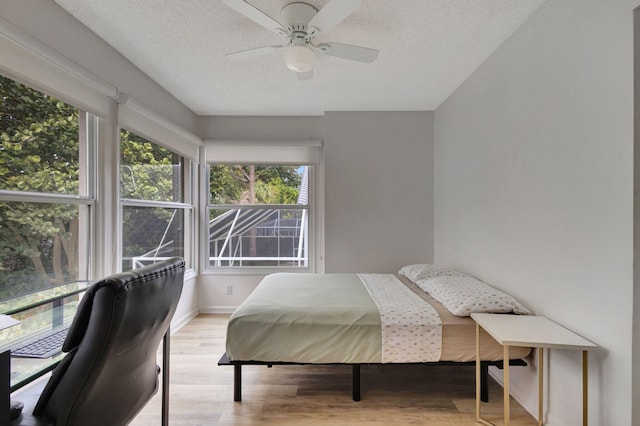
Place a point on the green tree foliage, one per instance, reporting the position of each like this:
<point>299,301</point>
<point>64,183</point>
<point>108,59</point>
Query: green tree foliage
<point>235,184</point>
<point>38,153</point>
<point>148,171</point>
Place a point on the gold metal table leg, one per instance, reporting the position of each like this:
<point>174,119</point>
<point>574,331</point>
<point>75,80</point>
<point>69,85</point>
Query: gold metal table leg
<point>479,419</point>
<point>507,415</point>
<point>540,385</point>
<point>585,387</point>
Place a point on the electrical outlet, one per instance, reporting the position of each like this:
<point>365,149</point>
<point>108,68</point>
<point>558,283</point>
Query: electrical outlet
<point>229,290</point>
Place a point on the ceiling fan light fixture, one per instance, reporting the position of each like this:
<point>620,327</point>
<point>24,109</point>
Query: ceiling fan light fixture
<point>300,23</point>
<point>299,58</point>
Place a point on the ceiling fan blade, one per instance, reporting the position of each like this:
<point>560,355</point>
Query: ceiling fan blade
<point>257,16</point>
<point>349,51</point>
<point>304,76</point>
<point>249,53</point>
<point>331,15</point>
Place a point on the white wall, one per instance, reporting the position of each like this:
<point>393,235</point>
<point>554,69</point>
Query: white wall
<point>636,223</point>
<point>255,128</point>
<point>533,177</point>
<point>187,307</point>
<point>378,190</point>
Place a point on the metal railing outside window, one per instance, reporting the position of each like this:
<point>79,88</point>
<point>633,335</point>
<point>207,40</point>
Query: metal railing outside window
<point>258,236</point>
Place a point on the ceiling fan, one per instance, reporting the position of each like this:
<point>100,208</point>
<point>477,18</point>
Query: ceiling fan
<point>300,23</point>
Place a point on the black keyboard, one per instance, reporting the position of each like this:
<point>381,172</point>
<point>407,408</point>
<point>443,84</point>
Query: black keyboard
<point>43,347</point>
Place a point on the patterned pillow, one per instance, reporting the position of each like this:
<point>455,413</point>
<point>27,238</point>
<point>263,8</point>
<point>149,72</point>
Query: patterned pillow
<point>463,295</point>
<point>422,271</point>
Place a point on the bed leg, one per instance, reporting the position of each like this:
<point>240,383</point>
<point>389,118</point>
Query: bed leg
<point>355,378</point>
<point>237,382</point>
<point>484,381</point>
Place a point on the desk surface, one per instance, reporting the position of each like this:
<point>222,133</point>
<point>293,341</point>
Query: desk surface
<point>6,321</point>
<point>38,312</point>
<point>531,331</point>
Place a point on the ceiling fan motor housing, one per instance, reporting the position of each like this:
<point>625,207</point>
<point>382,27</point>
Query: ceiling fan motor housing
<point>296,16</point>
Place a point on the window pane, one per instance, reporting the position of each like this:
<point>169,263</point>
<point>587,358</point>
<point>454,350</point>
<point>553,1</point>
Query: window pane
<point>151,234</point>
<point>148,171</point>
<point>41,246</point>
<point>275,235</point>
<point>256,184</point>
<point>39,141</point>
<point>260,237</point>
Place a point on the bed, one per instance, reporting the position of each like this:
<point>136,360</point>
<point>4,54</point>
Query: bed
<point>358,319</point>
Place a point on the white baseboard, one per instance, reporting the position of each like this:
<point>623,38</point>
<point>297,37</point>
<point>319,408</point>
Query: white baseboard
<point>218,309</point>
<point>530,406</point>
<point>178,323</point>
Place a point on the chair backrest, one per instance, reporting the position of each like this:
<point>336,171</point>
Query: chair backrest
<point>110,370</point>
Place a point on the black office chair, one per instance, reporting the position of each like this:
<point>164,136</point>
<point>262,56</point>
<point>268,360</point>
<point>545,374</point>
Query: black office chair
<point>110,371</point>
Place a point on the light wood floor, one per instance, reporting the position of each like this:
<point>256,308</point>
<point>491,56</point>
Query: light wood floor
<point>202,392</point>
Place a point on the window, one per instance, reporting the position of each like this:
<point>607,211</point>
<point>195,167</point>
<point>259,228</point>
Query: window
<point>156,221</point>
<point>46,190</point>
<point>258,216</point>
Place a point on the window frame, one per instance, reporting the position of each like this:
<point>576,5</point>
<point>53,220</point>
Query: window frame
<point>311,232</point>
<point>85,199</point>
<point>186,205</point>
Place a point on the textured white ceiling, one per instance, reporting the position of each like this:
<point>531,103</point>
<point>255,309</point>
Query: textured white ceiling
<point>427,49</point>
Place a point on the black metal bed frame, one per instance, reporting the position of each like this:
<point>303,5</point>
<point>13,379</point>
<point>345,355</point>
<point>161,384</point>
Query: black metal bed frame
<point>355,374</point>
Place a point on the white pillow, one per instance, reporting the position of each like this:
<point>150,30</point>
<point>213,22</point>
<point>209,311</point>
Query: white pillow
<point>463,295</point>
<point>422,271</point>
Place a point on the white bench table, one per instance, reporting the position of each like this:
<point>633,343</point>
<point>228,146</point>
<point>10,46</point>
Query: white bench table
<point>535,332</point>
